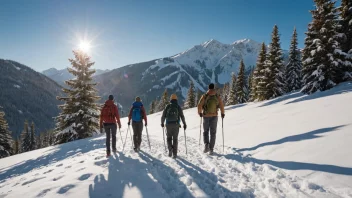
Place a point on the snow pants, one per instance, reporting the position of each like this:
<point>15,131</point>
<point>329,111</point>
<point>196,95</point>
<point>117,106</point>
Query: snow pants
<point>210,124</point>
<point>137,133</point>
<point>110,130</point>
<point>172,137</point>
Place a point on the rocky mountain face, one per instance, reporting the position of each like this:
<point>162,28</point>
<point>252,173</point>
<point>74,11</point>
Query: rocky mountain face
<point>27,95</point>
<point>209,62</point>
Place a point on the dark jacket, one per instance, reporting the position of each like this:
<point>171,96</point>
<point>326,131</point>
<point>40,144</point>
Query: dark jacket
<point>180,113</point>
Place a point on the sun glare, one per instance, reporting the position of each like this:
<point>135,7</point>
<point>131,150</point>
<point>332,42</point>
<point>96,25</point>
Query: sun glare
<point>85,46</point>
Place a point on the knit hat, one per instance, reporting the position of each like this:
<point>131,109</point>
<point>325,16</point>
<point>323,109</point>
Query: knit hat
<point>111,97</point>
<point>211,86</point>
<point>173,97</point>
<point>138,99</point>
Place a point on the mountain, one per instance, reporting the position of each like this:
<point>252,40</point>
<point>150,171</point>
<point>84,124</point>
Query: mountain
<point>211,61</point>
<point>60,76</point>
<point>27,94</point>
<point>292,146</point>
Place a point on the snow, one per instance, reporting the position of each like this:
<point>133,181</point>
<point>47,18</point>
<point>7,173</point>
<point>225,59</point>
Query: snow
<point>19,111</point>
<point>17,86</point>
<point>291,146</point>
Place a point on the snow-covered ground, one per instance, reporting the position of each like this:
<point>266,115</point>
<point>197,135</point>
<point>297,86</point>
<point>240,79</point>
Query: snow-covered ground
<point>292,146</point>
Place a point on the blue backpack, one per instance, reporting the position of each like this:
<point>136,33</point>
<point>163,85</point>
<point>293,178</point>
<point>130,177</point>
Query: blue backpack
<point>137,111</point>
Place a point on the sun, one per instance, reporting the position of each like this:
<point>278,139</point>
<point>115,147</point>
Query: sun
<point>85,46</point>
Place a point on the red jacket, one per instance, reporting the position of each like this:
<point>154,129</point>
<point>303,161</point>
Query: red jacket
<point>113,118</point>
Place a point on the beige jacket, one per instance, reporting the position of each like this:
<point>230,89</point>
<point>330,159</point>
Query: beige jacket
<point>202,100</point>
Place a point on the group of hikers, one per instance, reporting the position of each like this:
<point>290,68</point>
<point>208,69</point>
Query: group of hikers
<point>208,107</point>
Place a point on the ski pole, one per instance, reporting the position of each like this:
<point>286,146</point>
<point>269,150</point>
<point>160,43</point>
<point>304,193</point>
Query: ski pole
<point>200,129</point>
<point>185,140</point>
<point>146,128</point>
<point>164,140</point>
<point>125,140</point>
<point>223,147</point>
<point>121,135</point>
<point>131,138</point>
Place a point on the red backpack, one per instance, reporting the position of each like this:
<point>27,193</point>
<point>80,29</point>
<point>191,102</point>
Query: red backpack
<point>108,112</point>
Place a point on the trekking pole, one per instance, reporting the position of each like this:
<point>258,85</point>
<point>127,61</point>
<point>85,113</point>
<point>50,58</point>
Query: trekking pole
<point>146,128</point>
<point>131,138</point>
<point>121,135</point>
<point>200,129</point>
<point>125,140</point>
<point>164,140</point>
<point>185,140</point>
<point>223,147</point>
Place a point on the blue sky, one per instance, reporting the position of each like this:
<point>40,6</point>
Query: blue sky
<point>42,33</point>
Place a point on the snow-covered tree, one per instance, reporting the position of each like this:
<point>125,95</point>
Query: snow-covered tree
<point>33,138</point>
<point>191,97</point>
<point>274,68</point>
<point>26,138</point>
<point>250,85</point>
<point>199,95</point>
<point>294,66</point>
<point>152,107</point>
<point>346,40</point>
<point>241,88</point>
<point>259,79</point>
<point>79,116</point>
<point>232,99</point>
<point>321,62</point>
<point>163,101</point>
<point>5,137</point>
<point>225,92</point>
<point>39,141</point>
<point>16,145</point>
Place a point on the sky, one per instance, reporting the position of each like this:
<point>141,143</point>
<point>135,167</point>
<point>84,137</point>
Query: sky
<point>42,34</point>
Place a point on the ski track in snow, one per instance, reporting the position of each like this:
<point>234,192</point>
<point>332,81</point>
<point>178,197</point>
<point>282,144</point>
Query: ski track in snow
<point>155,174</point>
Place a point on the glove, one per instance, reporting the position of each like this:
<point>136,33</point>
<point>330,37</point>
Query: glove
<point>162,125</point>
<point>119,126</point>
<point>200,114</point>
<point>145,124</point>
<point>184,127</point>
<point>101,129</point>
<point>128,123</point>
<point>222,115</point>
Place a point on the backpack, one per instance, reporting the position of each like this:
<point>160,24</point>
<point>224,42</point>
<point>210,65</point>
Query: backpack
<point>172,113</point>
<point>211,104</point>
<point>108,111</point>
<point>137,113</point>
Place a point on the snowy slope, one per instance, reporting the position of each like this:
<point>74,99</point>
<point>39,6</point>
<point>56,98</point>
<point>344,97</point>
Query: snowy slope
<point>293,146</point>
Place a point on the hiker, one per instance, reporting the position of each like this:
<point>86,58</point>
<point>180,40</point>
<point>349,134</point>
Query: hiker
<point>137,114</point>
<point>208,107</point>
<point>172,113</point>
<point>109,116</point>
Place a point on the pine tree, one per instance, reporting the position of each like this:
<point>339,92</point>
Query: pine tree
<point>33,138</point>
<point>191,97</point>
<point>16,146</point>
<point>321,65</point>
<point>259,79</point>
<point>5,137</point>
<point>274,68</point>
<point>79,116</point>
<point>39,141</point>
<point>232,100</point>
<point>45,139</point>
<point>250,85</point>
<point>152,107</point>
<point>294,66</point>
<point>346,41</point>
<point>241,85</point>
<point>26,138</point>
<point>163,101</point>
<point>225,92</point>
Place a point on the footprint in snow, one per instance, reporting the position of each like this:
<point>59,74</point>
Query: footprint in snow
<point>48,171</point>
<point>68,167</point>
<point>81,161</point>
<point>43,192</point>
<point>98,158</point>
<point>33,180</point>
<point>84,177</point>
<point>66,188</point>
<point>59,165</point>
<point>57,178</point>
<point>80,169</point>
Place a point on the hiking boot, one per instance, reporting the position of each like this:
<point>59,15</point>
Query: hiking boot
<point>206,148</point>
<point>211,152</point>
<point>135,149</point>
<point>174,156</point>
<point>114,150</point>
<point>170,153</point>
<point>108,153</point>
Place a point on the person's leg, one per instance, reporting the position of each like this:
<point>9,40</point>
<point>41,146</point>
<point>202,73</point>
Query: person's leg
<point>206,133</point>
<point>135,135</point>
<point>107,131</point>
<point>169,138</point>
<point>213,125</point>
<point>140,130</point>
<point>175,131</point>
<point>113,134</point>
